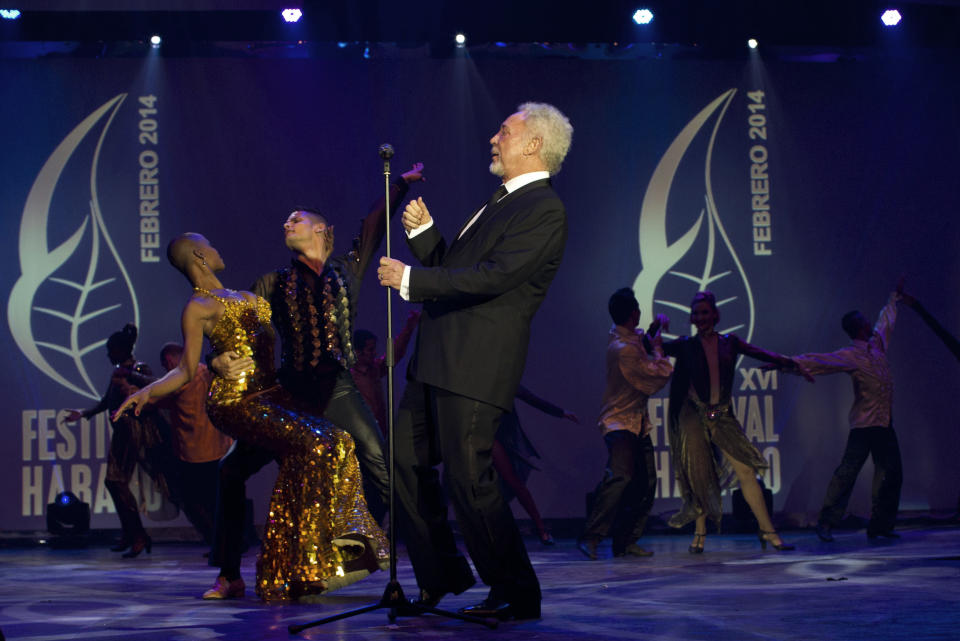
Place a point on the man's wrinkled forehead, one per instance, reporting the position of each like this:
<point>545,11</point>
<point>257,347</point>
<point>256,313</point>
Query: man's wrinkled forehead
<point>515,121</point>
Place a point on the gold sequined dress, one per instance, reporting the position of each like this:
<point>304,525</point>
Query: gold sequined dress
<point>319,534</point>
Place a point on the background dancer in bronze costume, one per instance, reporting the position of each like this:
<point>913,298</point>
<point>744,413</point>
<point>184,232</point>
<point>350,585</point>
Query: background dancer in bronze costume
<point>135,439</point>
<point>197,444</point>
<point>320,535</point>
<point>708,443</point>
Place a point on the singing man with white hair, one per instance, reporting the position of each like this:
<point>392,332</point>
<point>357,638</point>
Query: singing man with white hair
<point>479,294</point>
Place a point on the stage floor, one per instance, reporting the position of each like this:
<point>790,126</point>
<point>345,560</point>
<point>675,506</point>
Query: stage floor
<point>849,589</point>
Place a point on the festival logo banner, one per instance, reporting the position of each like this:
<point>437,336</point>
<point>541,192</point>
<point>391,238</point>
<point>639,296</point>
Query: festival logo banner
<point>76,286</point>
<point>685,246</point>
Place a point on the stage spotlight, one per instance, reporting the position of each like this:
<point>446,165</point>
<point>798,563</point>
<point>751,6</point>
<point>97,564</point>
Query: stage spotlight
<point>68,517</point>
<point>155,40</point>
<point>9,14</point>
<point>460,39</point>
<point>643,16</point>
<point>752,43</point>
<point>890,18</point>
<point>291,15</point>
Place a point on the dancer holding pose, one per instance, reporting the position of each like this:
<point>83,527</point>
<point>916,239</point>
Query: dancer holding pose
<point>134,440</point>
<point>708,443</point>
<point>871,421</point>
<point>320,535</point>
<point>636,369</point>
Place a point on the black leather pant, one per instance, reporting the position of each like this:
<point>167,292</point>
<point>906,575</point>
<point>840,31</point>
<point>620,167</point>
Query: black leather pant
<point>348,411</point>
<point>198,498</point>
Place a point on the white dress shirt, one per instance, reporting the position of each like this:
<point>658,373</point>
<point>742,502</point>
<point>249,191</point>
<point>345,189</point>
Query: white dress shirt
<point>511,185</point>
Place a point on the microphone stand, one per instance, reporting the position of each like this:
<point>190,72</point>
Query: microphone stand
<point>393,599</point>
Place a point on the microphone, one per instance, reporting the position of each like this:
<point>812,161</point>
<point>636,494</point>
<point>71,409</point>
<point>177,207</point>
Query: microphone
<point>386,151</point>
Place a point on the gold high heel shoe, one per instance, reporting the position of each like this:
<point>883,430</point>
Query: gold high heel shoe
<point>767,537</point>
<point>700,537</point>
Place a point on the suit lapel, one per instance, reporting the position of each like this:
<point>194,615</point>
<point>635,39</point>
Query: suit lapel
<point>491,210</point>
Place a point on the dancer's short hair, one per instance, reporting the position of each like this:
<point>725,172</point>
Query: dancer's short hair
<point>622,303</point>
<point>708,298</point>
<point>180,250</point>
<point>315,214</point>
<point>171,349</point>
<point>851,322</point>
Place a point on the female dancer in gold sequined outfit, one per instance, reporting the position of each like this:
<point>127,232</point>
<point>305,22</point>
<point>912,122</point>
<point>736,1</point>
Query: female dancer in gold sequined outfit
<point>319,535</point>
<point>708,443</point>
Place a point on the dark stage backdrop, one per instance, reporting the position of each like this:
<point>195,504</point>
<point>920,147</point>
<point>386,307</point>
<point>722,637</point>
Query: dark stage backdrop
<point>796,192</point>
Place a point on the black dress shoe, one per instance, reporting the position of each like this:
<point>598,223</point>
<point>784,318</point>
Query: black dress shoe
<point>825,532</point>
<point>886,534</point>
<point>632,550</point>
<point>430,598</point>
<point>588,547</point>
<point>491,608</point>
<point>120,545</point>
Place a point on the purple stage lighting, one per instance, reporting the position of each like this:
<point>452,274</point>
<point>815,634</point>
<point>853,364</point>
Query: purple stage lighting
<point>643,16</point>
<point>291,15</point>
<point>890,18</point>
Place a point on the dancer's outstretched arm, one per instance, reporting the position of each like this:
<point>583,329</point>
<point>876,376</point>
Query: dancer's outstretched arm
<point>199,313</point>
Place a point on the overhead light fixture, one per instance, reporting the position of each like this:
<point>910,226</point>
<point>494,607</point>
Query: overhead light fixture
<point>643,16</point>
<point>155,40</point>
<point>460,39</point>
<point>9,14</point>
<point>752,43</point>
<point>890,18</point>
<point>292,15</point>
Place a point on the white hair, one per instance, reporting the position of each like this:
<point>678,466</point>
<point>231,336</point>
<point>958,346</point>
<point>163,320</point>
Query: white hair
<point>554,130</point>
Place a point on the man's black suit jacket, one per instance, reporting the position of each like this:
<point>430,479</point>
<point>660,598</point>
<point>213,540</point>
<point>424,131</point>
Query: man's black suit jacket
<point>480,293</point>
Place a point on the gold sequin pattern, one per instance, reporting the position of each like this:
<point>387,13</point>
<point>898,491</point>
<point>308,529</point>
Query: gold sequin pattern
<point>319,534</point>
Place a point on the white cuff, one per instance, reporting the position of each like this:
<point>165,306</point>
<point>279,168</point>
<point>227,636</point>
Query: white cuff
<point>405,279</point>
<point>419,230</point>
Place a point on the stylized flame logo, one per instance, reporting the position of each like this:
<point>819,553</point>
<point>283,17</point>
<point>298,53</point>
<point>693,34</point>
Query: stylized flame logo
<point>74,289</point>
<point>661,258</point>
